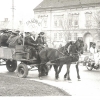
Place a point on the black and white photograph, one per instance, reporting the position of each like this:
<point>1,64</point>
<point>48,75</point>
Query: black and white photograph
<point>50,48</point>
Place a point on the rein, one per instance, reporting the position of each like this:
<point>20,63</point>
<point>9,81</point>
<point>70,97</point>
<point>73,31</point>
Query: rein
<point>61,52</point>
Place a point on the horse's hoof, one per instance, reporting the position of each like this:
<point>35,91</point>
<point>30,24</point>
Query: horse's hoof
<point>40,78</point>
<point>65,79</point>
<point>79,79</point>
<point>56,80</point>
<point>69,81</point>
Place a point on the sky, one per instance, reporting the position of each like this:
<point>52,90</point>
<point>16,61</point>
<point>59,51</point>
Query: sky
<point>23,8</point>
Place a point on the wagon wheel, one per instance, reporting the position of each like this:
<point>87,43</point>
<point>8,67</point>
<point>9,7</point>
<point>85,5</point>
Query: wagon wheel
<point>11,65</point>
<point>22,70</point>
<point>88,63</point>
<point>89,66</point>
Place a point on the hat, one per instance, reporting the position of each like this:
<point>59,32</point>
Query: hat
<point>27,33</point>
<point>9,30</point>
<point>3,30</point>
<point>41,33</point>
<point>15,33</point>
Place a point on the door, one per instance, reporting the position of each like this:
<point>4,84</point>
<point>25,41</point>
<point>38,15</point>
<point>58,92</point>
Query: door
<point>87,40</point>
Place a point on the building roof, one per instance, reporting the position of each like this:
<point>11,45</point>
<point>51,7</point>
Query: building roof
<point>48,4</point>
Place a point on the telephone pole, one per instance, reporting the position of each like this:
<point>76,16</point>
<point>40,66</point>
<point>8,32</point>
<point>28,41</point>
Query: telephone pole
<point>13,14</point>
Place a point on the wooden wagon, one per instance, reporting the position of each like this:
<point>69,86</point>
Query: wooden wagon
<point>11,56</point>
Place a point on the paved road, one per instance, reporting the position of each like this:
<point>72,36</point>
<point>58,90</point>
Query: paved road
<point>88,86</point>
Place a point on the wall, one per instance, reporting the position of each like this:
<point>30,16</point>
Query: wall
<point>53,33</point>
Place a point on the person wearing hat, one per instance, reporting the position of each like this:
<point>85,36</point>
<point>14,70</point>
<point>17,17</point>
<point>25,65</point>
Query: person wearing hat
<point>14,40</point>
<point>17,31</point>
<point>30,43</point>
<point>41,40</point>
<point>95,54</point>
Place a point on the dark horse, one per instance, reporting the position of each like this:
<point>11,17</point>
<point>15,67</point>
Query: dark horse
<point>58,58</point>
<point>74,51</point>
<point>49,56</point>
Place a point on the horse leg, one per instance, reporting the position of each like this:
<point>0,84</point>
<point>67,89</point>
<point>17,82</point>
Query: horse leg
<point>44,70</point>
<point>77,69</point>
<point>56,71</point>
<point>39,70</point>
<point>68,72</point>
<point>60,67</point>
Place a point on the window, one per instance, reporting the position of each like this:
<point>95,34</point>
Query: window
<point>69,36</point>
<point>88,16</point>
<point>55,36</point>
<point>6,19</point>
<point>58,21</point>
<point>73,20</point>
<point>70,16</point>
<point>44,21</point>
<point>76,20</point>
<point>20,22</point>
<point>60,36</point>
<point>75,36</point>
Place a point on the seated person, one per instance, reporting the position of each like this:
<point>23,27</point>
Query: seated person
<point>95,53</point>
<point>31,44</point>
<point>14,40</point>
<point>41,40</point>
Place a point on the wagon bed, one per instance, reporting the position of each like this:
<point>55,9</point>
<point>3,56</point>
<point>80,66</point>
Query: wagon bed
<point>18,54</point>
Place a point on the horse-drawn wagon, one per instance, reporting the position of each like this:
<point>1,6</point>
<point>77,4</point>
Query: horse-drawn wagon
<point>56,57</point>
<point>11,56</point>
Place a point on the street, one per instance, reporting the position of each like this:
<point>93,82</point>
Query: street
<point>88,86</point>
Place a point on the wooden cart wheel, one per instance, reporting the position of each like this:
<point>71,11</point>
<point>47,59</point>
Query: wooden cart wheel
<point>11,65</point>
<point>22,70</point>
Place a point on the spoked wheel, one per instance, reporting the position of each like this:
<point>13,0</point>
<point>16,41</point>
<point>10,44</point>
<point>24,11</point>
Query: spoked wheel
<point>22,70</point>
<point>89,66</point>
<point>88,63</point>
<point>11,65</point>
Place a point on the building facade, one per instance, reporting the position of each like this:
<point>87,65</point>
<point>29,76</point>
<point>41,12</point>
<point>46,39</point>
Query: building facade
<point>68,20</point>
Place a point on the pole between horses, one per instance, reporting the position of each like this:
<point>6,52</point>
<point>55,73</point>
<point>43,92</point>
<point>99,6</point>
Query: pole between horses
<point>23,38</point>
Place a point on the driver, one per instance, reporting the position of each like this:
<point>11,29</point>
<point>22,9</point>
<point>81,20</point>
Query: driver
<point>30,43</point>
<point>41,41</point>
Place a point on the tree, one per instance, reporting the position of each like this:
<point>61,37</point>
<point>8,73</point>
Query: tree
<point>97,20</point>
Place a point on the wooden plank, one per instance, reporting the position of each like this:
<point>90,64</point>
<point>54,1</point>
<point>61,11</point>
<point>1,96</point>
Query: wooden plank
<point>6,53</point>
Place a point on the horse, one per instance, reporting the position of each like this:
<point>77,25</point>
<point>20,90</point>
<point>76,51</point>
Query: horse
<point>58,59</point>
<point>48,56</point>
<point>65,49</point>
<point>74,52</point>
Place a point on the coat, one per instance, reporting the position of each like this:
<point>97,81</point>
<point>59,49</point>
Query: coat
<point>40,40</point>
<point>14,40</point>
<point>29,41</point>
